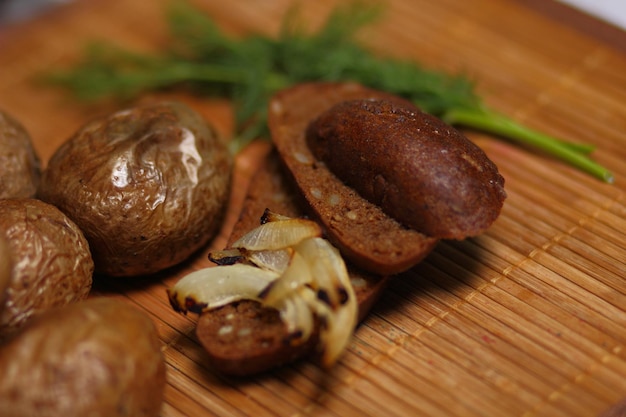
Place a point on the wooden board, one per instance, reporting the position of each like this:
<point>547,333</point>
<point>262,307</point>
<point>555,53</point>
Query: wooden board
<point>528,319</point>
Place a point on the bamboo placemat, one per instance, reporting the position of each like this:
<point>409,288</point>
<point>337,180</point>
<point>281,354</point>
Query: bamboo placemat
<point>528,319</point>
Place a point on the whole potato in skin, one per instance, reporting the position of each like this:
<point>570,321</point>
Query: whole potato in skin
<point>52,265</point>
<point>20,168</point>
<point>6,265</point>
<point>99,358</point>
<point>148,186</point>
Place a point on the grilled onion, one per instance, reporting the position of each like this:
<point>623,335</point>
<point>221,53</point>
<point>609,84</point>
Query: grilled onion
<point>285,264</point>
<point>216,286</point>
<point>278,234</point>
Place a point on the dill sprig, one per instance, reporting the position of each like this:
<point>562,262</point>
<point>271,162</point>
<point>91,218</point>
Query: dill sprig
<point>248,70</point>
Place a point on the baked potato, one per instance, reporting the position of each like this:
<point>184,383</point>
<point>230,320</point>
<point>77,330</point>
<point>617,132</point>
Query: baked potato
<point>6,265</point>
<point>148,186</point>
<point>20,168</point>
<point>52,265</point>
<point>99,358</point>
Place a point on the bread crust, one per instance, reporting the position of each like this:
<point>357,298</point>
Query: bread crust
<point>418,169</point>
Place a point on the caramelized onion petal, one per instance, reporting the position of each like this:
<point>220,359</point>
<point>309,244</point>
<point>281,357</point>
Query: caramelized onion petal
<point>298,319</point>
<point>278,235</point>
<point>297,274</point>
<point>227,256</point>
<point>340,326</point>
<point>273,260</point>
<point>213,287</point>
<point>272,216</point>
<point>336,326</point>
<point>328,268</point>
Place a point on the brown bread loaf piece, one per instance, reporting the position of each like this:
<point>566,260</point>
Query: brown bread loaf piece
<point>419,170</point>
<point>244,338</point>
<point>365,234</point>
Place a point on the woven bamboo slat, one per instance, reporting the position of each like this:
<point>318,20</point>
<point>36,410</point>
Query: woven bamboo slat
<point>528,319</point>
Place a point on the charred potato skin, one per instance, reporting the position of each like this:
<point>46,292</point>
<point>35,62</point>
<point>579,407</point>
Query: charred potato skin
<point>148,186</point>
<point>99,357</point>
<point>51,261</point>
<point>20,167</point>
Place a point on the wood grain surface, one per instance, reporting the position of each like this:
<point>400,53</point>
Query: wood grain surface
<point>528,319</point>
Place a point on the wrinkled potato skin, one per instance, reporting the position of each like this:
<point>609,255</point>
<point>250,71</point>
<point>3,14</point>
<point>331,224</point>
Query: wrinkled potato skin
<point>6,266</point>
<point>20,168</point>
<point>148,186</point>
<point>98,358</point>
<point>52,265</point>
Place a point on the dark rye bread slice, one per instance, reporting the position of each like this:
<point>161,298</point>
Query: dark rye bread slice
<point>418,169</point>
<point>243,338</point>
<point>361,230</point>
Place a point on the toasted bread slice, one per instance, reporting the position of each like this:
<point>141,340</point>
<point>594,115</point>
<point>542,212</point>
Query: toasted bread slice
<point>415,167</point>
<point>362,231</point>
<point>245,338</point>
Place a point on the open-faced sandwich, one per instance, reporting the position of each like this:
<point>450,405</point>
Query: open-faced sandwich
<point>360,186</point>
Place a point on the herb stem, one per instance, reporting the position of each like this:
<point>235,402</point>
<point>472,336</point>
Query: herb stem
<point>189,72</point>
<point>184,71</point>
<point>495,123</point>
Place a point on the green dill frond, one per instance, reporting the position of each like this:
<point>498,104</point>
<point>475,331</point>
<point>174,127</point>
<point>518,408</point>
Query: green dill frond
<point>248,70</point>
